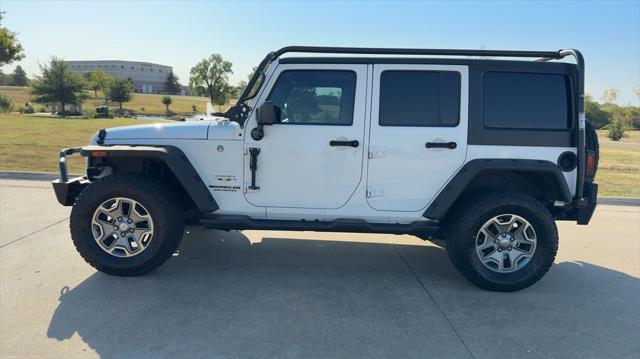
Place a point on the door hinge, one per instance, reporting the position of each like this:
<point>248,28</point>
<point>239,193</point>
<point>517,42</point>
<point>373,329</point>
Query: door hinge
<point>375,193</point>
<point>376,154</point>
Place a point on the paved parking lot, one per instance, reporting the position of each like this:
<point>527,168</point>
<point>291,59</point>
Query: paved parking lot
<point>305,294</point>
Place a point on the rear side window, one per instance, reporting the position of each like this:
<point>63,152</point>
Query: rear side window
<point>419,98</point>
<point>526,101</point>
<point>315,97</point>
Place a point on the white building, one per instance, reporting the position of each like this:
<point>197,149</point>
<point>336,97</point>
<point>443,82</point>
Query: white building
<point>146,77</point>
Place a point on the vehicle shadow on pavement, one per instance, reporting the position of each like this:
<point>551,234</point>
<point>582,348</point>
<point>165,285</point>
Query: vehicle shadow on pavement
<point>222,296</point>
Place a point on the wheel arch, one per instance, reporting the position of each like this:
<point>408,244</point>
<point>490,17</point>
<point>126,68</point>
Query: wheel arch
<point>168,163</point>
<point>541,179</point>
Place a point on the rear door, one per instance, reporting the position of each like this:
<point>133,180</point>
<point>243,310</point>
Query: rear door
<point>313,157</point>
<point>418,137</point>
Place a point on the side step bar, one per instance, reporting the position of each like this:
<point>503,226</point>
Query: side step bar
<point>228,222</point>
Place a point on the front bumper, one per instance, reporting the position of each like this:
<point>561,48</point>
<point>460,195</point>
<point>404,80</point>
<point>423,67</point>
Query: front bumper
<point>66,192</point>
<point>68,189</point>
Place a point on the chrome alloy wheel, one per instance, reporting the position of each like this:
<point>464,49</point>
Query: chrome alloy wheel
<point>122,227</point>
<point>505,243</point>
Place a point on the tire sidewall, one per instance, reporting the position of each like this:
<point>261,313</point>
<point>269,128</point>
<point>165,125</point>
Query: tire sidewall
<point>103,190</point>
<point>461,244</point>
<point>545,237</point>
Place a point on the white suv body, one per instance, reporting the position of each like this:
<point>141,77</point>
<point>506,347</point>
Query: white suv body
<point>364,144</point>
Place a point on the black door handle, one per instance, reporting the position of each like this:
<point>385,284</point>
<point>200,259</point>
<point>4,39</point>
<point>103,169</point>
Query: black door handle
<point>449,145</point>
<point>353,143</point>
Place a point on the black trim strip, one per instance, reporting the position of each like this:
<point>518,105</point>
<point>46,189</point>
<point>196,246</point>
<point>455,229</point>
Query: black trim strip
<point>239,222</point>
<point>448,196</point>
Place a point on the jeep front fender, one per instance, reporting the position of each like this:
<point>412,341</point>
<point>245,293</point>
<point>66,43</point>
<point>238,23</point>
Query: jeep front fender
<point>175,160</point>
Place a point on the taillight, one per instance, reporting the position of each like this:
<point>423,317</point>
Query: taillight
<point>590,164</point>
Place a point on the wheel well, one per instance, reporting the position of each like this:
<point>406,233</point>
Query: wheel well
<point>156,168</point>
<point>540,185</point>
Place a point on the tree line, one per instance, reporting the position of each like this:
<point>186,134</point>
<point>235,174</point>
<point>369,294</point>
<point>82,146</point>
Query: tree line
<point>210,78</point>
<point>58,84</point>
<point>614,118</point>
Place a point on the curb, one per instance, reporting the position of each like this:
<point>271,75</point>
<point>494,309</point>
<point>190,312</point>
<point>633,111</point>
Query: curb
<point>44,176</point>
<point>32,176</point>
<point>619,201</point>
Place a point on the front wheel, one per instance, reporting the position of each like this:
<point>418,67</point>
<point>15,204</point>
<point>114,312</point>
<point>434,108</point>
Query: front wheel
<point>126,225</point>
<point>502,241</point>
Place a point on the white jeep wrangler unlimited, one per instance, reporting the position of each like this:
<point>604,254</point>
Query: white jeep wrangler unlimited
<point>485,154</point>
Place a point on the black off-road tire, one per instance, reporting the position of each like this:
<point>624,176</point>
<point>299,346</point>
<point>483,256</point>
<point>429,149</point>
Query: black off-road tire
<point>467,218</point>
<point>160,202</point>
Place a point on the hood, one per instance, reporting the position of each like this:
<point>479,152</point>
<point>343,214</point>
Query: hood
<point>169,130</point>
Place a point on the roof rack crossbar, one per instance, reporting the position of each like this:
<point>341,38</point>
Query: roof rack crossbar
<point>406,51</point>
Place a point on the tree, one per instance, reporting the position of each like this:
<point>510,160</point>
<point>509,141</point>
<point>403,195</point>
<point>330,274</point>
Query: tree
<point>4,78</point>
<point>166,100</point>
<point>616,129</point>
<point>97,80</point>
<point>595,113</point>
<point>119,90</point>
<point>237,90</point>
<point>610,95</point>
<point>172,84</point>
<point>19,77</point>
<point>58,84</point>
<point>211,77</point>
<point>5,104</point>
<point>10,48</point>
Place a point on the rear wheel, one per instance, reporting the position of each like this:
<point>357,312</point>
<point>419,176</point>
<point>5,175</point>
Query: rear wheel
<point>502,241</point>
<point>126,225</point>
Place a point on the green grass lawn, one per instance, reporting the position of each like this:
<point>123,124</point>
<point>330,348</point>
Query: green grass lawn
<point>619,172</point>
<point>633,136</point>
<point>151,104</point>
<point>32,144</point>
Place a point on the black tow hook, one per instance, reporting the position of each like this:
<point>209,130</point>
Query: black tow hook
<point>253,165</point>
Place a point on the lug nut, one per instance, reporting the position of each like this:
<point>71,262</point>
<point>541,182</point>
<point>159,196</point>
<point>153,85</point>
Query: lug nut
<point>115,227</point>
<point>119,219</point>
<point>130,230</point>
<point>129,220</point>
<point>122,234</point>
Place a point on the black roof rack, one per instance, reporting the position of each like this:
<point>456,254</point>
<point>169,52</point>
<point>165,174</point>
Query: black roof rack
<point>239,112</point>
<point>406,51</point>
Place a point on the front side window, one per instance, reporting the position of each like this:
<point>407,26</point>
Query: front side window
<point>315,97</point>
<point>419,98</point>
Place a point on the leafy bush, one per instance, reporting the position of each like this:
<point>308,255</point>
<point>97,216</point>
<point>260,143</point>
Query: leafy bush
<point>28,108</point>
<point>616,130</point>
<point>5,104</point>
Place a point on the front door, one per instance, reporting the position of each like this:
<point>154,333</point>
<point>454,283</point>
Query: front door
<point>312,157</point>
<point>418,138</point>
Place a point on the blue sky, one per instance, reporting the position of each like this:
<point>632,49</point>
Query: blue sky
<point>180,33</point>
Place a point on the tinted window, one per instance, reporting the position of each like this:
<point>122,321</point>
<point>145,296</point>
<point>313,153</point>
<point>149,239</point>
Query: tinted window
<point>315,97</point>
<point>419,98</point>
<point>524,100</point>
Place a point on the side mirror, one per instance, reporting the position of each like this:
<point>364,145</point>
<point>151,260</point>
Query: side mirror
<point>267,115</point>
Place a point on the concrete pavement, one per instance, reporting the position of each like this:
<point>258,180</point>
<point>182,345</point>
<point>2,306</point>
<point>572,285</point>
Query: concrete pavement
<point>305,294</point>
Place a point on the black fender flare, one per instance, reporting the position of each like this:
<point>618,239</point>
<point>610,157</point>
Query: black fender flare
<point>175,160</point>
<point>452,191</point>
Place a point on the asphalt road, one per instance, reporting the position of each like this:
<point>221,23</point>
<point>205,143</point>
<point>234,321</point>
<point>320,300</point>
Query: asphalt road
<point>305,294</point>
